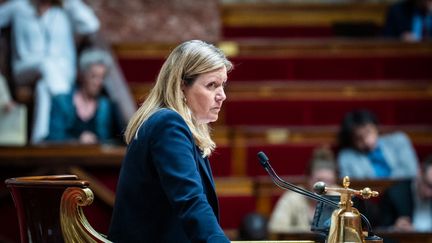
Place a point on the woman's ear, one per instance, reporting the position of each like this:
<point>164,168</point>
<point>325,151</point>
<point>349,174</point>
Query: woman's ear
<point>183,86</point>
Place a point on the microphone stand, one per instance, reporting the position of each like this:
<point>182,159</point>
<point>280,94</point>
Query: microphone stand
<point>264,161</point>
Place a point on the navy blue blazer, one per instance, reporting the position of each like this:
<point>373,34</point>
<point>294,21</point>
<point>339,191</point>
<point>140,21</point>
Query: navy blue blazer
<point>397,201</point>
<point>399,19</point>
<point>165,191</point>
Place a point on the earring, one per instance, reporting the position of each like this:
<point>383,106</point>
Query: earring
<point>184,99</point>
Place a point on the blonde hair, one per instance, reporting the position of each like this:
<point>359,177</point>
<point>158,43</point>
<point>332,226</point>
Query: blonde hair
<point>183,65</point>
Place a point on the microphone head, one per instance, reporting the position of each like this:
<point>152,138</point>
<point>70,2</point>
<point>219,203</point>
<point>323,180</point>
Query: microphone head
<point>263,159</point>
<point>319,187</point>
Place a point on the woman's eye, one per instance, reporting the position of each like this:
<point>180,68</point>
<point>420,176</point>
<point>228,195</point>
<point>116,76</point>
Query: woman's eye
<point>212,85</point>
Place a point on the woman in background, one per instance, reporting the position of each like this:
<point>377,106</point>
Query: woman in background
<point>84,115</point>
<point>365,154</point>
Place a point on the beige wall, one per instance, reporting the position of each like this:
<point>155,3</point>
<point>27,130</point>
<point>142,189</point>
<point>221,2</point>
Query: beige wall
<point>158,20</point>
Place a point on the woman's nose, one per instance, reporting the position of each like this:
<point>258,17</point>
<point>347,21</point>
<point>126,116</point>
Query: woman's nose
<point>221,96</point>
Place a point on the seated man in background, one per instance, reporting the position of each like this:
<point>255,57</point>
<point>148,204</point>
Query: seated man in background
<point>409,20</point>
<point>407,206</point>
<point>294,212</point>
<point>364,154</point>
<point>85,114</point>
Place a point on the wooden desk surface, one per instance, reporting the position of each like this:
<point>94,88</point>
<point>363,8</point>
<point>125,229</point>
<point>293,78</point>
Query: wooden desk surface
<point>401,237</point>
<point>288,48</point>
<point>97,155</point>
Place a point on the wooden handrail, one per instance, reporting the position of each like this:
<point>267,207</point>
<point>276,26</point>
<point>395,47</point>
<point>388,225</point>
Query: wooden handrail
<point>301,13</point>
<point>290,48</point>
<point>313,90</point>
<point>74,224</point>
<point>104,193</point>
<point>62,155</point>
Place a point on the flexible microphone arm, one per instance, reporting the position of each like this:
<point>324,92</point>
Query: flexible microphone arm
<point>286,185</point>
<point>264,161</point>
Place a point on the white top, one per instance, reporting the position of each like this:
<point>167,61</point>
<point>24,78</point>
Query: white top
<point>49,36</point>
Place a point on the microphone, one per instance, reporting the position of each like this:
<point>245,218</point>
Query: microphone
<point>319,186</point>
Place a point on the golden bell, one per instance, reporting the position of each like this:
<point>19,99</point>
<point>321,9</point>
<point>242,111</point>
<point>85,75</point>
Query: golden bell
<point>346,220</point>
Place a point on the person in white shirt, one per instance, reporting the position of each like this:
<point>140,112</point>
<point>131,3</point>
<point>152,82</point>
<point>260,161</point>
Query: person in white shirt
<point>44,51</point>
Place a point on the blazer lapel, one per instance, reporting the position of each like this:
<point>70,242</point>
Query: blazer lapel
<point>204,165</point>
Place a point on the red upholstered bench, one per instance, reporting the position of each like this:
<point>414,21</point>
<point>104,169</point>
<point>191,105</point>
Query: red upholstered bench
<point>327,67</point>
<point>220,161</point>
<point>307,112</point>
<point>286,159</point>
<point>294,68</point>
<point>234,208</point>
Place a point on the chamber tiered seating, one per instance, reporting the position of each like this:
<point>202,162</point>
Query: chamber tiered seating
<point>302,19</point>
<point>307,60</point>
<point>285,98</point>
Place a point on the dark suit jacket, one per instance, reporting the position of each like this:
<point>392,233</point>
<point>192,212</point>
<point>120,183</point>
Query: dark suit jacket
<point>399,19</point>
<point>397,201</point>
<point>165,191</point>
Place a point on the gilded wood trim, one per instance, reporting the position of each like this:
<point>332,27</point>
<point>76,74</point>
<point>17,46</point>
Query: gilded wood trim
<point>74,224</point>
<point>275,241</point>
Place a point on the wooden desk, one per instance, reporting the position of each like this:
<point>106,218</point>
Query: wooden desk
<point>65,159</point>
<point>297,236</point>
<point>61,155</point>
<point>272,241</point>
<point>406,237</point>
<point>400,237</point>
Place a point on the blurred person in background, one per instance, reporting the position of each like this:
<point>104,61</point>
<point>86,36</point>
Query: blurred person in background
<point>253,227</point>
<point>365,154</point>
<point>294,212</point>
<point>85,114</point>
<point>409,20</point>
<point>6,102</point>
<point>13,118</point>
<point>407,206</point>
<point>44,49</point>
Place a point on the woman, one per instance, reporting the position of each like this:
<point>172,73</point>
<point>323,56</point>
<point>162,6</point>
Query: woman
<point>166,191</point>
<point>365,154</point>
<point>84,114</point>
